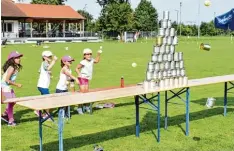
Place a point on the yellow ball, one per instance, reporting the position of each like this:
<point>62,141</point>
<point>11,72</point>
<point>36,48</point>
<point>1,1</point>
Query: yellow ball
<point>207,3</point>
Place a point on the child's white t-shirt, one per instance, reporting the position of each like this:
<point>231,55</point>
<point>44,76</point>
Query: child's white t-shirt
<point>44,78</point>
<point>87,69</point>
<point>63,78</point>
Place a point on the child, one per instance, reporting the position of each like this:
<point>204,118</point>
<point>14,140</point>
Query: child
<point>45,74</point>
<point>11,68</point>
<point>85,72</point>
<point>65,75</point>
<point>64,78</point>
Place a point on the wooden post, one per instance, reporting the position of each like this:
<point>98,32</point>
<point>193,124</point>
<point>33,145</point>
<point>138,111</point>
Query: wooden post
<point>3,27</point>
<point>31,28</point>
<point>76,27</point>
<point>24,28</point>
<point>69,26</point>
<point>80,29</point>
<point>83,27</point>
<point>46,28</point>
<point>64,28</point>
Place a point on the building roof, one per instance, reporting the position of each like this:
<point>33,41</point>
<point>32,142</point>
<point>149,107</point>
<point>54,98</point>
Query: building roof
<point>10,10</point>
<point>42,11</point>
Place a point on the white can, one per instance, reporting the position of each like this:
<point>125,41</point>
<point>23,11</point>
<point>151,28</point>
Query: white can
<point>164,23</point>
<point>173,65</point>
<point>164,74</point>
<point>166,83</point>
<point>181,64</point>
<point>149,75</point>
<point>165,41</point>
<point>171,81</point>
<point>174,73</point>
<point>152,84</point>
<point>178,72</point>
<point>146,85</point>
<point>170,57</point>
<point>155,77</point>
<point>165,57</point>
<point>162,66</point>
<point>167,32</point>
<point>160,76</point>
<point>172,32</point>
<point>161,84</point>
<point>180,81</point>
<point>154,58</point>
<point>156,67</point>
<point>180,56</point>
<point>176,56</point>
<point>177,64</point>
<point>160,58</point>
<point>182,72</point>
<point>172,49</point>
<point>151,66</point>
<point>162,49</point>
<point>169,24</point>
<point>169,40</point>
<point>185,81</point>
<point>167,65</point>
<point>169,73</point>
<point>156,50</point>
<point>161,32</point>
<point>166,15</point>
<point>176,82</point>
<point>167,49</point>
<point>175,40</point>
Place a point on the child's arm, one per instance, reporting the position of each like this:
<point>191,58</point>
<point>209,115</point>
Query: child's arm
<point>10,71</point>
<point>70,75</point>
<point>78,67</point>
<point>97,59</point>
<point>52,63</point>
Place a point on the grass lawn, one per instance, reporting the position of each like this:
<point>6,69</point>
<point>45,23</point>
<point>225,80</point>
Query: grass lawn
<point>114,129</point>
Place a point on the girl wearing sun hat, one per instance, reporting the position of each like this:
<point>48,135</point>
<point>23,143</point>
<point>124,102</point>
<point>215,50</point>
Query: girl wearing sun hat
<point>85,72</point>
<point>10,68</point>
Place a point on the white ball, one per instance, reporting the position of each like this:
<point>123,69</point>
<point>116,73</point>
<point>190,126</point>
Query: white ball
<point>207,3</point>
<point>100,47</point>
<point>66,48</point>
<point>134,64</point>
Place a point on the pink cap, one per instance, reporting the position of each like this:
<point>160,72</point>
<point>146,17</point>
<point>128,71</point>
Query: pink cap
<point>67,58</point>
<point>14,54</point>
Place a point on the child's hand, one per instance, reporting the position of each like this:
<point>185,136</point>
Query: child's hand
<point>77,81</point>
<point>19,85</point>
<point>55,58</point>
<point>99,51</point>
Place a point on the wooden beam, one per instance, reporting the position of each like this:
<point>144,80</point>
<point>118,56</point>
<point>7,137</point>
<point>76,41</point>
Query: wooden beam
<point>31,29</point>
<point>46,28</point>
<point>64,28</point>
<point>83,27</point>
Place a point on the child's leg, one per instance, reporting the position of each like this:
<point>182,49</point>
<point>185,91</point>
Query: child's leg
<point>43,91</point>
<point>10,112</point>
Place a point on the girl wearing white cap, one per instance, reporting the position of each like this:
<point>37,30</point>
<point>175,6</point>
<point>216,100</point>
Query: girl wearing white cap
<point>45,74</point>
<point>10,68</point>
<point>85,71</point>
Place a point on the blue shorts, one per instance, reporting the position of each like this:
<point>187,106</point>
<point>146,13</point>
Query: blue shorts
<point>43,91</point>
<point>60,91</point>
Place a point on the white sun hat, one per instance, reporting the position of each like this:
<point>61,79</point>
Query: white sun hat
<point>47,53</point>
<point>87,50</point>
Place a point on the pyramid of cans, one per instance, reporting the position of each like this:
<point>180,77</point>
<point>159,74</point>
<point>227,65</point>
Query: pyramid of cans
<point>166,68</point>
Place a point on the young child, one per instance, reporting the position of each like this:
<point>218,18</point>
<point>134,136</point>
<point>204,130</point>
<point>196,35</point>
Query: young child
<point>11,68</point>
<point>85,72</point>
<point>45,74</point>
<point>65,75</point>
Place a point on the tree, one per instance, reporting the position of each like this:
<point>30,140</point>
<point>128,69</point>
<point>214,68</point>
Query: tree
<point>145,16</point>
<point>105,2</point>
<point>88,25</point>
<point>117,17</point>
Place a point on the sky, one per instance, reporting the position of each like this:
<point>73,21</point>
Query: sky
<point>189,9</point>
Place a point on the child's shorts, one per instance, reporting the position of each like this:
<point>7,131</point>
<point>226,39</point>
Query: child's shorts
<point>83,81</point>
<point>43,91</point>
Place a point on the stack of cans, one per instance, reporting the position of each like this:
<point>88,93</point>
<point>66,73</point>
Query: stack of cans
<point>166,68</point>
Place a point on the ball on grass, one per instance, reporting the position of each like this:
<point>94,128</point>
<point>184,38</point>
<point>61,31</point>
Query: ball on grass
<point>134,64</point>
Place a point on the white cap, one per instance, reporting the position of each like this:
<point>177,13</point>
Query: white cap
<point>47,53</point>
<point>87,50</point>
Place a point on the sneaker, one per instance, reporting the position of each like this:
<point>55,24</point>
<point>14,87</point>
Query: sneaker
<point>12,124</point>
<point>87,109</point>
<point>80,111</point>
<point>4,117</point>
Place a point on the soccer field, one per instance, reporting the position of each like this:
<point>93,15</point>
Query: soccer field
<point>114,129</point>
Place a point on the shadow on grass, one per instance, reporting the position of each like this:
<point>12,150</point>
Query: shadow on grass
<point>147,124</point>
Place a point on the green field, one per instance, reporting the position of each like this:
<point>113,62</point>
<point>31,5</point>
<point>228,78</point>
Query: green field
<point>114,129</point>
